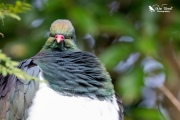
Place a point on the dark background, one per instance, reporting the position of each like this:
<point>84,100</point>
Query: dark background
<point>139,48</point>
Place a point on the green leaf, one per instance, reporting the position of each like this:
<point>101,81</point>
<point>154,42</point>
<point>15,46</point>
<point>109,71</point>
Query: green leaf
<point>147,114</point>
<point>118,25</point>
<point>13,10</point>
<point>2,56</point>
<point>4,71</point>
<point>14,16</point>
<point>130,85</point>
<point>88,24</point>
<point>147,46</point>
<point>13,63</point>
<point>11,68</point>
<point>115,53</point>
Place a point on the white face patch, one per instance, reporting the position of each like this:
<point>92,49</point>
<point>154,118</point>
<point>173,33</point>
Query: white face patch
<point>50,105</point>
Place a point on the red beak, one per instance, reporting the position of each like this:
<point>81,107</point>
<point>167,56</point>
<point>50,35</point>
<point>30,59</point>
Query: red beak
<point>59,38</point>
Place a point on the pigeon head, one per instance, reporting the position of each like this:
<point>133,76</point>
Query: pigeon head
<point>62,36</point>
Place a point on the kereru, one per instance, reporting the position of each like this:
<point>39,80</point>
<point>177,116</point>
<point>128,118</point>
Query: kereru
<point>74,84</point>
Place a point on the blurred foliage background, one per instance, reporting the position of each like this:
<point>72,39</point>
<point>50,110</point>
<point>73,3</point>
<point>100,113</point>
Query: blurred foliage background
<point>139,48</point>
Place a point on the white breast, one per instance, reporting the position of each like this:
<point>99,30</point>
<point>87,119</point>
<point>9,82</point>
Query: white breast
<point>50,105</point>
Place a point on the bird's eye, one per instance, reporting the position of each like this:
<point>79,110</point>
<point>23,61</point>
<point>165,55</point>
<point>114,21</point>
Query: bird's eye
<point>68,37</point>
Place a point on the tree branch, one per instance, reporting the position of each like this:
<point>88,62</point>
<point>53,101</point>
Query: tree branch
<point>170,96</point>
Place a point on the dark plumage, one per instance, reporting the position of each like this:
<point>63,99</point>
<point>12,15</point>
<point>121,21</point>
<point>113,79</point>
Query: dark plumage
<point>66,69</point>
<point>16,95</point>
<point>80,73</point>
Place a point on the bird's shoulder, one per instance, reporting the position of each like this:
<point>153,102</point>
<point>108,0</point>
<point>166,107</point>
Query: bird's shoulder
<point>16,94</point>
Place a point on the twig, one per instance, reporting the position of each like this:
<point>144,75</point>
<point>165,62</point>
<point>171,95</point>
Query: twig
<point>2,34</point>
<point>171,97</point>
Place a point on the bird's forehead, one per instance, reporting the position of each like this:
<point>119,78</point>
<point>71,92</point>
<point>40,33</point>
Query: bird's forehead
<point>61,27</point>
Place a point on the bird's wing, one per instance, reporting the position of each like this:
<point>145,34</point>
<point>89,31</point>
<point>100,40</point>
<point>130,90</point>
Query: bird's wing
<point>15,94</point>
<point>121,110</point>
